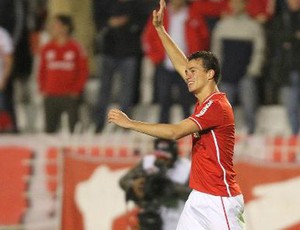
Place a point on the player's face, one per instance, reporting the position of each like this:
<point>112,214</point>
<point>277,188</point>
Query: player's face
<point>196,76</point>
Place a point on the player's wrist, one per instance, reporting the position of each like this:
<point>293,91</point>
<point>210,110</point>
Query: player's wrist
<point>132,124</point>
<point>160,29</point>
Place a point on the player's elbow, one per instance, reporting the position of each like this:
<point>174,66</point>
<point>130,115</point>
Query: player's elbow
<point>176,134</point>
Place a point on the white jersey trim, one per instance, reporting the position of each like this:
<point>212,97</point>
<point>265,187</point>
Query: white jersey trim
<point>197,123</point>
<point>219,161</point>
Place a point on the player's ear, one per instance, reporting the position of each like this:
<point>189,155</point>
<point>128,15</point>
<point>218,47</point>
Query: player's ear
<point>211,74</point>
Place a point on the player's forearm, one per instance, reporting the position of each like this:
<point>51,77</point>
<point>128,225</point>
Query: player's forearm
<point>165,131</point>
<point>176,56</point>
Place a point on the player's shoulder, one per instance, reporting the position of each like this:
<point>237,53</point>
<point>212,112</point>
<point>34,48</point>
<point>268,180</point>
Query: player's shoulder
<point>222,102</point>
<point>219,102</point>
<point>218,98</point>
<point>213,100</point>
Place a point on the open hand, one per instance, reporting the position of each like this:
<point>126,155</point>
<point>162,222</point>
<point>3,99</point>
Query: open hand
<point>159,14</point>
<point>119,118</point>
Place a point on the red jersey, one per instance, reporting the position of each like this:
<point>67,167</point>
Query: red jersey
<point>212,152</point>
<point>63,69</point>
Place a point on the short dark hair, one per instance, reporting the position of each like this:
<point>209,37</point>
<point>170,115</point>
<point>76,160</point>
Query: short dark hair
<point>66,20</point>
<point>209,61</point>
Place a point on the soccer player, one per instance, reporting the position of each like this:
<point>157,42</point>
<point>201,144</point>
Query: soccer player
<point>216,201</point>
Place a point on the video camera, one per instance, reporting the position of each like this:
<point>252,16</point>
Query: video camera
<point>158,190</point>
<point>156,184</point>
<point>156,187</point>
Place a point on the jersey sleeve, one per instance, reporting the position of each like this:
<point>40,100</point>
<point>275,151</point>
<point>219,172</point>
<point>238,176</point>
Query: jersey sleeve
<point>209,115</point>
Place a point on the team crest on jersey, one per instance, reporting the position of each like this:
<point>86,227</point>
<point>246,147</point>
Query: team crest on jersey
<point>205,108</point>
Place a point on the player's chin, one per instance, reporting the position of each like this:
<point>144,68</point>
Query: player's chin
<point>191,89</point>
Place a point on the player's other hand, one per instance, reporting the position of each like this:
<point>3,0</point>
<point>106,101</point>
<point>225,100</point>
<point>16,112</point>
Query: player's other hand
<point>119,118</point>
<point>158,15</point>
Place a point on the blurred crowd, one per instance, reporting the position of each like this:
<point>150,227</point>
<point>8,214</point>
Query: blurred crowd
<point>256,41</point>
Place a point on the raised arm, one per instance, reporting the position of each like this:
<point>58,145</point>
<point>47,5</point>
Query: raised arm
<point>176,56</point>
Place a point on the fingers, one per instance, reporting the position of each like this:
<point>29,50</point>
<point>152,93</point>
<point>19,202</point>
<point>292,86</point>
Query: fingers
<point>154,13</point>
<point>155,17</point>
<point>112,115</point>
<point>158,14</point>
<point>115,115</point>
<point>162,5</point>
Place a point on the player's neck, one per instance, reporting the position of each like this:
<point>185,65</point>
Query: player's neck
<point>206,92</point>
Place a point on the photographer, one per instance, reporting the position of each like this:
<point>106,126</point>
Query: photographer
<point>159,186</point>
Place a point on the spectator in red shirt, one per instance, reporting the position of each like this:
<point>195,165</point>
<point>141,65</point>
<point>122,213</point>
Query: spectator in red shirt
<point>62,74</point>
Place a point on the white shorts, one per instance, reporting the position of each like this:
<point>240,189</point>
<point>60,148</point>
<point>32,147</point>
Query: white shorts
<point>207,212</point>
